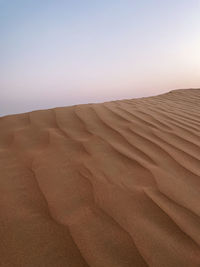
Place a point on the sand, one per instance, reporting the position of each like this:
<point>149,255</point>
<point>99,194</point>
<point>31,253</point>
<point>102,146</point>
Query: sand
<point>115,184</point>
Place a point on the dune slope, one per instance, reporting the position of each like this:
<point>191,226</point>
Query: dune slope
<point>115,184</point>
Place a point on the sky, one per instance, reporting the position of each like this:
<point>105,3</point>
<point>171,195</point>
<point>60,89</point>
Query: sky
<point>60,53</point>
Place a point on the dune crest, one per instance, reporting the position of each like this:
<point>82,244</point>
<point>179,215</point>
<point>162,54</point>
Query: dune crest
<point>115,184</point>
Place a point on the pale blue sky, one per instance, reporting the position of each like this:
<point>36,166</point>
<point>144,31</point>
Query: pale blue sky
<point>58,53</point>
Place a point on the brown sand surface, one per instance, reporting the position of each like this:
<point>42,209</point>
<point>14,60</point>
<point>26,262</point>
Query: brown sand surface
<point>115,184</point>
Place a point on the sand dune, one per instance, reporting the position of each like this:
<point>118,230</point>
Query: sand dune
<point>115,184</point>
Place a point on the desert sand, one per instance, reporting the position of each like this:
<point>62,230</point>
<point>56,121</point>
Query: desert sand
<point>115,184</point>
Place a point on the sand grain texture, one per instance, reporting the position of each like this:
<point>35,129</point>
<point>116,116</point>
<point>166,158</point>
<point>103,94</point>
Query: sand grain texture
<point>115,184</point>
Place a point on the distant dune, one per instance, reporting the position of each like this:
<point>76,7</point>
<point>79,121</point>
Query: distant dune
<point>115,184</point>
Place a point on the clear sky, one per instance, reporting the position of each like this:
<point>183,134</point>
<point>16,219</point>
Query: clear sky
<point>58,53</point>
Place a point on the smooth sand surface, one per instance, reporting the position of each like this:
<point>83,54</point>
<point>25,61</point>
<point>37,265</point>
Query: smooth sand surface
<point>115,184</point>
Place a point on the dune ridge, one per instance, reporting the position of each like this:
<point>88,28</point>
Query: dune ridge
<point>111,184</point>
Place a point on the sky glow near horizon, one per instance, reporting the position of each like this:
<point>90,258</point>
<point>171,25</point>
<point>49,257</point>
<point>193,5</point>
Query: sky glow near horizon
<point>59,53</point>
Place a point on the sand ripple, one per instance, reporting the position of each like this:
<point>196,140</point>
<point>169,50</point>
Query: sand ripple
<point>115,184</point>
